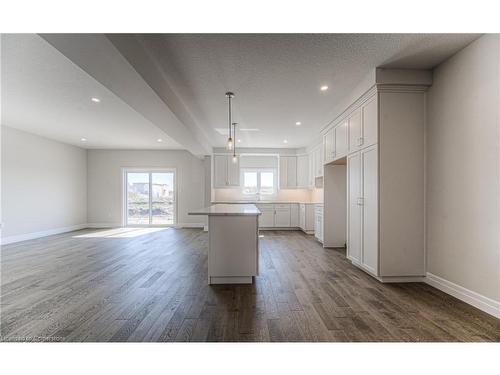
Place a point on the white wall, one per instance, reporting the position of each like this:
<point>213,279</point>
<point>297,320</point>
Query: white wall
<point>105,184</point>
<point>463,169</point>
<point>44,187</point>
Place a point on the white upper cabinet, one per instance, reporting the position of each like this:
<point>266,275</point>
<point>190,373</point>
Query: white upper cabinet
<point>288,172</point>
<point>341,141</point>
<point>226,173</point>
<point>329,146</point>
<point>370,122</point>
<point>355,132</point>
<point>303,180</point>
<point>318,162</point>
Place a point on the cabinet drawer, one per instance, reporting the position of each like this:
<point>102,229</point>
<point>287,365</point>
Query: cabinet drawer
<point>281,206</point>
<point>265,207</point>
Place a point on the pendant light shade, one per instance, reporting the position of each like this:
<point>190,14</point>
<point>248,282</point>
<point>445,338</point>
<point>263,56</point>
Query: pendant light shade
<point>230,143</point>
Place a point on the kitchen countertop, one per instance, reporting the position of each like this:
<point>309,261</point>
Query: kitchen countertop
<point>228,210</point>
<point>264,202</point>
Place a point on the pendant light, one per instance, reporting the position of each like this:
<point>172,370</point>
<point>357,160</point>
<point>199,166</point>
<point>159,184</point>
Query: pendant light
<point>230,143</point>
<point>235,157</point>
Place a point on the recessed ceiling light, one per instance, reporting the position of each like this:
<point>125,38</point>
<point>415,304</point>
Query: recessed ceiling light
<point>159,140</point>
<point>239,140</point>
<point>95,100</point>
<point>285,141</point>
<point>324,88</point>
<point>298,123</point>
<point>83,139</point>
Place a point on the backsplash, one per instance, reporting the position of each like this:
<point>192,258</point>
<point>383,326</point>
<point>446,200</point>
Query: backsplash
<point>284,195</point>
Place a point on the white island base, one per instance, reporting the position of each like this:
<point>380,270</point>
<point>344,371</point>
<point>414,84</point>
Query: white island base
<point>233,253</point>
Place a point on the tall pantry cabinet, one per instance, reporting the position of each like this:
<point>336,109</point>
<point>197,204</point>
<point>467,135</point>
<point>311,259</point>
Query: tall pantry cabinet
<point>385,182</point>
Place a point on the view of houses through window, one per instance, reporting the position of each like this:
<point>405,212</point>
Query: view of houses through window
<point>150,198</point>
<point>257,181</point>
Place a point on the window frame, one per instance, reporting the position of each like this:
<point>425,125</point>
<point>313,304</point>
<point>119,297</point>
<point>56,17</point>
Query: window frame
<point>259,171</point>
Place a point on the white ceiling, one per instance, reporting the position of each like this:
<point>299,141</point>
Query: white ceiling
<point>276,78</point>
<point>45,93</point>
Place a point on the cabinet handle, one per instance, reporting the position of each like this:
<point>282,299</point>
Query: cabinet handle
<point>360,141</point>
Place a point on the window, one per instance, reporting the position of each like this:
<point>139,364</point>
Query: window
<point>149,198</point>
<point>258,181</point>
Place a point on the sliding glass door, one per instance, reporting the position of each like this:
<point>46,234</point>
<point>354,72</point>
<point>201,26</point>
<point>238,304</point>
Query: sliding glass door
<point>149,197</point>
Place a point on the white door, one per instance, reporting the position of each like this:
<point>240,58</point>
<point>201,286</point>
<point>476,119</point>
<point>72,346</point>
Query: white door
<point>341,142</point>
<point>354,207</point>
<point>329,145</point>
<point>233,171</point>
<point>303,171</point>
<point>220,171</point>
<point>282,217</point>
<point>355,136</point>
<point>369,166</point>
<point>370,123</point>
<point>294,215</point>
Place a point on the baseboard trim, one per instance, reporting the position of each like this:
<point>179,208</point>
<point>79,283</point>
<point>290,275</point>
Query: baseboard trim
<point>483,303</point>
<point>40,234</point>
<point>189,225</point>
<point>104,225</point>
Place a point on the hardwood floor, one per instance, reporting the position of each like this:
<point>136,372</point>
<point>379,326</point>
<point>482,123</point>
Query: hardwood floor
<point>142,285</point>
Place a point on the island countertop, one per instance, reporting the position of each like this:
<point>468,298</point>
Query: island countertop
<point>237,209</point>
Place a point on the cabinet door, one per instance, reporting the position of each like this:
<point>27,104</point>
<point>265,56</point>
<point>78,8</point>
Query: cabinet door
<point>370,123</point>
<point>282,217</point>
<point>283,170</point>
<point>303,171</point>
<point>319,162</point>
<point>369,167</point>
<point>302,216</point>
<point>354,207</point>
<point>233,172</point>
<point>291,171</point>
<point>354,130</point>
<point>294,215</point>
<point>220,171</point>
<point>341,142</point>
<point>266,220</point>
<point>329,146</point>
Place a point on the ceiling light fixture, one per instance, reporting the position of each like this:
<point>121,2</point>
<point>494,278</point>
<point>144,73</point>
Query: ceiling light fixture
<point>159,140</point>
<point>324,88</point>
<point>95,100</point>
<point>239,140</point>
<point>229,96</point>
<point>235,157</point>
<point>83,139</point>
<point>285,141</point>
<point>298,123</point>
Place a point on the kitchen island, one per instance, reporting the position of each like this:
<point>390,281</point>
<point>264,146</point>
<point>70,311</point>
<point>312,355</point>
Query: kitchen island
<point>233,253</point>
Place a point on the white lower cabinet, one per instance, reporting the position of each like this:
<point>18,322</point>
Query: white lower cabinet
<point>294,215</point>
<point>282,215</point>
<point>318,222</point>
<point>362,174</point>
<point>266,219</point>
<point>306,217</point>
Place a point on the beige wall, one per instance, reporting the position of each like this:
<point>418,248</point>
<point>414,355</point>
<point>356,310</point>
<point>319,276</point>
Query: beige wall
<point>463,169</point>
<point>44,187</point>
<point>105,198</point>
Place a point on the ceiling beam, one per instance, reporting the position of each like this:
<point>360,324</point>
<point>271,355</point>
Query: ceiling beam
<point>98,57</point>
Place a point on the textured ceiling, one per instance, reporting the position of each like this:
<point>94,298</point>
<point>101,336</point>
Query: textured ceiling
<point>276,78</point>
<point>44,93</point>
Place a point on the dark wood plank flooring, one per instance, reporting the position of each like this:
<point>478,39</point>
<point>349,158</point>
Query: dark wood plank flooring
<point>137,285</point>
